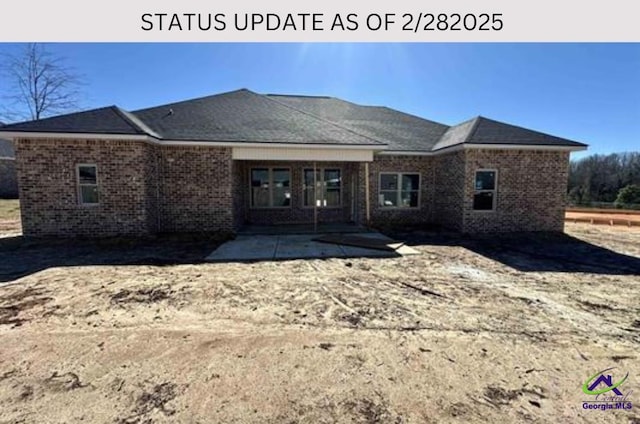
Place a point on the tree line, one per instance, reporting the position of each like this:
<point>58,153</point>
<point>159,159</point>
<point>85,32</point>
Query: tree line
<point>612,179</point>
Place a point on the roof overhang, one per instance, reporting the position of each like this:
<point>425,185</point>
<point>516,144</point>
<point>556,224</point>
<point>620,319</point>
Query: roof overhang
<point>490,146</point>
<point>13,135</point>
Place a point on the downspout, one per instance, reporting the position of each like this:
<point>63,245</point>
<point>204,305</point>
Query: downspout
<point>157,206</point>
<point>366,193</point>
<point>315,199</point>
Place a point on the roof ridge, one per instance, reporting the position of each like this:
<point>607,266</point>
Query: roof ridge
<point>473,129</point>
<point>299,95</point>
<point>137,122</point>
<point>193,99</point>
<point>480,117</point>
<point>121,113</point>
<point>323,120</point>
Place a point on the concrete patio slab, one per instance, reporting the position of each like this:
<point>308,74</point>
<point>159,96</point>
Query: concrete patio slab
<point>246,248</point>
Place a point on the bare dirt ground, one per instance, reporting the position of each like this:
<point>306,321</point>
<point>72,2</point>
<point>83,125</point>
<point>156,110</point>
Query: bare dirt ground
<point>629,218</point>
<point>472,330</point>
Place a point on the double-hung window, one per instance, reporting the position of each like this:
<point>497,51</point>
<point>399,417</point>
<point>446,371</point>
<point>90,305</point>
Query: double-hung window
<point>399,190</point>
<point>485,186</point>
<point>270,187</point>
<point>87,178</point>
<point>328,187</point>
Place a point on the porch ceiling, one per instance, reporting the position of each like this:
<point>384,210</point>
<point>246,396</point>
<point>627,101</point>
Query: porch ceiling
<point>308,154</point>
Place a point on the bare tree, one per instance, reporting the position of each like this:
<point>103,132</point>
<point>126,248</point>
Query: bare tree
<point>40,84</point>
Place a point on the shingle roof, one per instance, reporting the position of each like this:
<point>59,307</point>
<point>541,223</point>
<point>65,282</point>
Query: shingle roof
<point>245,116</point>
<point>400,131</point>
<point>106,120</point>
<point>488,131</point>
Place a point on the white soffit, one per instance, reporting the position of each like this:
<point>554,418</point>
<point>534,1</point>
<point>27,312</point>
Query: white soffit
<point>333,155</point>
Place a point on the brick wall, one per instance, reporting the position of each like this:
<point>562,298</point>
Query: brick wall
<point>531,194</point>
<point>146,188</point>
<point>8,179</point>
<point>450,174</point>
<point>424,165</point>
<point>195,189</point>
<point>48,188</point>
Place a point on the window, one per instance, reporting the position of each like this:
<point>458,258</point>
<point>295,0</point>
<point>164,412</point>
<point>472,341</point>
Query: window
<point>270,188</point>
<point>87,176</point>
<point>399,190</point>
<point>328,191</point>
<point>484,197</point>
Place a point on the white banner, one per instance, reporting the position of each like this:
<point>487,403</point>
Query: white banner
<point>332,20</point>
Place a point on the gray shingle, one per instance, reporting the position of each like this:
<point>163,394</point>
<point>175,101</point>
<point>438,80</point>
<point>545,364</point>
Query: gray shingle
<point>241,116</point>
<point>488,131</point>
<point>245,116</point>
<point>400,131</point>
<point>106,120</point>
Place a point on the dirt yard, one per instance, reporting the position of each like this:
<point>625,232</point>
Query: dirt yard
<point>606,217</point>
<point>471,330</point>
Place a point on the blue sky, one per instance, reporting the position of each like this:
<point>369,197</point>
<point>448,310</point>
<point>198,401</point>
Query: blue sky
<point>584,92</point>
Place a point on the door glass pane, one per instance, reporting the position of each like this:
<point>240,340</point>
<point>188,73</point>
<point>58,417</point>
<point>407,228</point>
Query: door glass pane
<point>485,180</point>
<point>388,198</point>
<point>410,182</point>
<point>89,194</point>
<point>260,188</point>
<point>309,193</point>
<point>389,182</point>
<point>332,178</point>
<point>409,199</point>
<point>87,175</point>
<point>281,187</point>
<point>332,197</point>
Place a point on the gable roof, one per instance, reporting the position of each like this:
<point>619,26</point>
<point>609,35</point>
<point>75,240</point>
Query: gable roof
<point>245,116</point>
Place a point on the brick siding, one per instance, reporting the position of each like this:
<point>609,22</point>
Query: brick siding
<point>531,196</point>
<point>146,188</point>
<point>380,215</point>
<point>48,188</point>
<point>196,189</point>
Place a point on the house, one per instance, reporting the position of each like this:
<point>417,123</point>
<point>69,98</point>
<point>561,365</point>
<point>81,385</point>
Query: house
<point>219,162</point>
<point>8,177</point>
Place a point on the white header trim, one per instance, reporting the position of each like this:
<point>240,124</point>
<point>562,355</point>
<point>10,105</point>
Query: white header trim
<point>138,137</point>
<point>7,158</point>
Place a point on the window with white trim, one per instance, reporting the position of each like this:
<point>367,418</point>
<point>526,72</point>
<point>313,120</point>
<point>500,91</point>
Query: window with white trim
<point>399,190</point>
<point>328,189</point>
<point>270,187</point>
<point>87,177</point>
<point>485,186</point>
